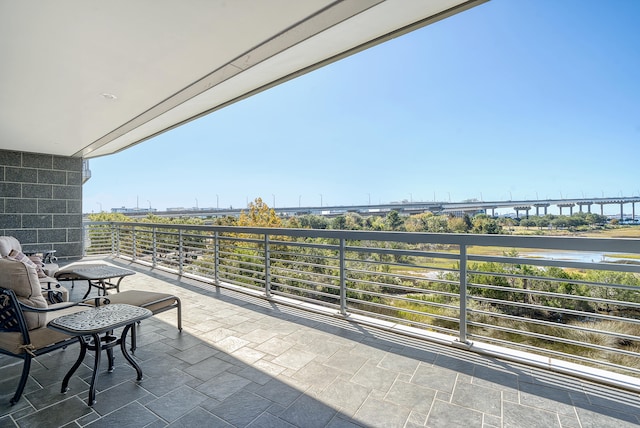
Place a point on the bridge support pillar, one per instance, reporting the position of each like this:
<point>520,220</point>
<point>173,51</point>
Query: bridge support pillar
<point>524,208</point>
<point>541,205</point>
<point>566,205</point>
<point>587,203</point>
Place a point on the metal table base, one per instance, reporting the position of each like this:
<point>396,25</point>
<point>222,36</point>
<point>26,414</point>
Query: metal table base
<point>88,326</point>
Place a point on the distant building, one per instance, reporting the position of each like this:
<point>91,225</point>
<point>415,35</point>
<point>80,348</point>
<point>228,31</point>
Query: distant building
<point>124,210</point>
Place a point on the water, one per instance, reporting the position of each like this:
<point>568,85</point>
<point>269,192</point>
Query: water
<point>574,256</point>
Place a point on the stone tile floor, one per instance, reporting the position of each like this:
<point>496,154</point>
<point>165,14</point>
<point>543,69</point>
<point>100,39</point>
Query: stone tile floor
<point>245,362</point>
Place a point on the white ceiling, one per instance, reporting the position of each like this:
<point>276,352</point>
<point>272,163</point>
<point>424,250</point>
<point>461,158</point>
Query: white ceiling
<point>89,78</point>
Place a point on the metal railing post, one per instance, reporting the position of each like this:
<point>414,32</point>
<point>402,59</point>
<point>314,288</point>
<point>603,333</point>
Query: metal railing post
<point>343,279</point>
<point>117,242</point>
<point>180,253</point>
<point>267,267</point>
<point>216,258</point>
<point>133,243</point>
<point>463,293</point>
<point>113,238</point>
<point>154,247</point>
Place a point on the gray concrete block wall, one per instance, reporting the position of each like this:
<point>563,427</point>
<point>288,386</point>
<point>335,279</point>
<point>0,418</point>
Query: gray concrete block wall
<point>41,201</point>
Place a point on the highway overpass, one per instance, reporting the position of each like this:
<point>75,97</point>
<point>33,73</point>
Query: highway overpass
<point>523,208</point>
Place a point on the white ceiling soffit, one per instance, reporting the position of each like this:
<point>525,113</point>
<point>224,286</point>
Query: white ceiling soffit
<point>88,79</point>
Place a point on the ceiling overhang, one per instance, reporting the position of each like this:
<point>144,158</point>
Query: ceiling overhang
<point>87,79</point>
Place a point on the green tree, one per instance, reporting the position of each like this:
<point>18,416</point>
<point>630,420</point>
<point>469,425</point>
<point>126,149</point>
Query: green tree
<point>576,220</point>
<point>311,221</point>
<point>527,222</point>
<point>467,222</point>
<point>438,224</point>
<point>417,222</point>
<point>560,222</point>
<point>260,215</point>
<point>485,224</point>
<point>374,223</point>
<point>614,286</point>
<point>394,221</point>
<point>507,222</point>
<point>457,225</point>
<point>293,223</point>
<point>118,217</point>
<point>339,223</point>
<point>595,219</point>
<point>354,221</point>
<point>542,222</point>
<point>227,220</point>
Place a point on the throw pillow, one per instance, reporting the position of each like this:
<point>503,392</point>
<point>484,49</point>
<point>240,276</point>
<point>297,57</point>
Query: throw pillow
<point>37,260</point>
<point>39,266</point>
<point>21,257</point>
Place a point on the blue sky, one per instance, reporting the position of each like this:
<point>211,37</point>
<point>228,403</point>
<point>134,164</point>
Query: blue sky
<point>513,99</point>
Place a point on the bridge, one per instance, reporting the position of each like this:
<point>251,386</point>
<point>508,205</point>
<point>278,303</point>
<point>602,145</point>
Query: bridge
<point>565,206</point>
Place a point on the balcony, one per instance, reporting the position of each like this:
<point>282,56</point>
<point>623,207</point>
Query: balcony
<point>86,171</point>
<point>260,349</point>
<point>571,304</point>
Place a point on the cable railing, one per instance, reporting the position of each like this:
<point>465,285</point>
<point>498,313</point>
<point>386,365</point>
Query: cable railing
<point>565,303</point>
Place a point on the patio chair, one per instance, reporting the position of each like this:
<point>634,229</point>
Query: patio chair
<point>24,314</point>
<point>10,243</point>
<point>10,248</point>
<point>155,302</point>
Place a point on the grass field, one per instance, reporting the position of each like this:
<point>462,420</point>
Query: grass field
<point>609,232</point>
<point>618,232</point>
<point>613,232</point>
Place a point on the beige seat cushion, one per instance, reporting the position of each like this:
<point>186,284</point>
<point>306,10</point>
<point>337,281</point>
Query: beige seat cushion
<point>23,280</point>
<point>42,336</point>
<point>51,268</point>
<point>148,299</point>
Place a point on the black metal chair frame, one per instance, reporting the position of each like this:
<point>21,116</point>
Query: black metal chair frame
<point>12,320</point>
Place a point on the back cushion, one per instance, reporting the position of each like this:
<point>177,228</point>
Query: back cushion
<point>19,256</point>
<point>32,261</point>
<point>23,280</point>
<point>5,246</point>
<point>8,243</point>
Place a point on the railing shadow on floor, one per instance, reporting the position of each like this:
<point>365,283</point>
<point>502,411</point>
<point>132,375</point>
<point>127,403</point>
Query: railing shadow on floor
<point>544,384</point>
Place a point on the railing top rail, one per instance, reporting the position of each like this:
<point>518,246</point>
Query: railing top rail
<point>616,245</point>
